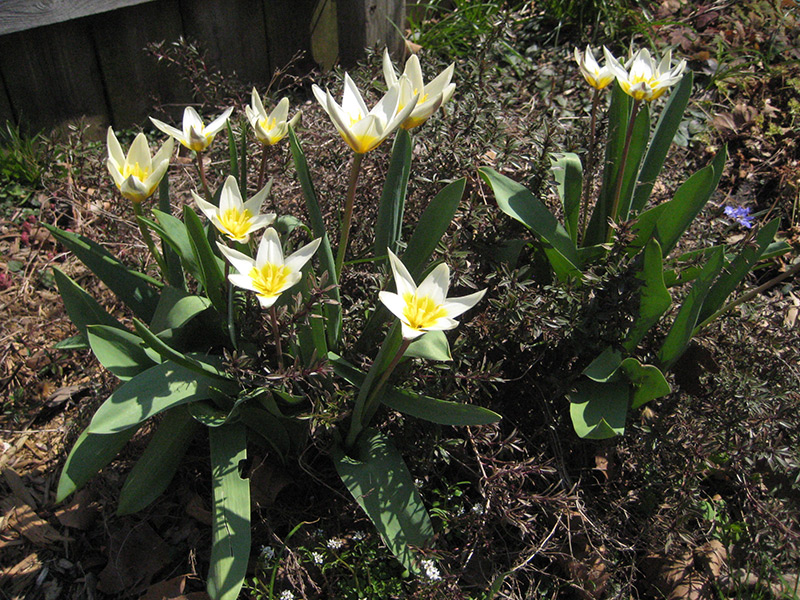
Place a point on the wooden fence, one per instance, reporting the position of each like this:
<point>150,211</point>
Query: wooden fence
<point>60,59</point>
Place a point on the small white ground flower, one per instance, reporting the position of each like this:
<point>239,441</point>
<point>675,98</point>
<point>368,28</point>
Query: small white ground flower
<point>334,543</point>
<point>267,552</point>
<point>359,535</point>
<point>286,595</point>
<point>478,509</point>
<point>317,558</point>
<point>431,571</point>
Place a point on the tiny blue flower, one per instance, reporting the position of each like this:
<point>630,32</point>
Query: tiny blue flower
<point>740,214</point>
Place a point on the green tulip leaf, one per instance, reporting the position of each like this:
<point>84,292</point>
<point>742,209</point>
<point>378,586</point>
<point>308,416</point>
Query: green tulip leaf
<point>598,410</point>
<point>171,257</point>
<point>90,453</point>
<point>210,264</point>
<point>619,112</point>
<point>333,310</point>
<point>151,392</point>
<point>648,381</point>
<point>378,479</point>
<point>172,231</point>
<point>119,351</point>
<point>230,530</point>
<point>517,202</point>
<point>83,310</point>
<point>737,270</point>
<point>666,128</point>
<point>681,332</point>
<point>604,367</point>
<point>431,346</point>
<point>654,299</point>
<point>135,289</point>
<point>156,467</point>
<point>568,172</point>
<point>638,144</point>
<point>393,199</point>
<point>177,307</point>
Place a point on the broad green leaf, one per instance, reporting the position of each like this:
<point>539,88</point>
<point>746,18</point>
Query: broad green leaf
<point>76,342</point>
<point>83,310</point>
<point>432,346</point>
<point>778,248</point>
<point>682,328</point>
<point>689,200</point>
<point>90,453</point>
<point>201,367</point>
<point>665,131</point>
<point>210,264</point>
<point>311,331</point>
<point>269,427</point>
<point>379,481</point>
<point>604,367</point>
<point>230,530</point>
<point>172,230</point>
<point>176,308</point>
<point>432,225</point>
<point>654,299</point>
<point>393,199</point>
<point>638,144</point>
<point>648,381</point>
<point>517,202</point>
<point>159,388</point>
<point>333,311</point>
<point>568,173</point>
<point>618,114</point>
<point>598,410</point>
<point>171,258</point>
<point>119,351</point>
<point>737,270</point>
<point>135,289</point>
<point>154,470</point>
<point>423,407</point>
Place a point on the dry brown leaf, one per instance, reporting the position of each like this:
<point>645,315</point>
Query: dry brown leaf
<point>195,508</point>
<point>81,513</point>
<point>171,589</point>
<point>712,558</point>
<point>136,554</point>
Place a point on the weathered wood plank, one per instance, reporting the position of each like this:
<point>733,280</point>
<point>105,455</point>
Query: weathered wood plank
<point>232,33</point>
<point>51,74</point>
<point>20,15</point>
<point>364,23</point>
<point>288,25</point>
<point>134,80</point>
<point>6,112</point>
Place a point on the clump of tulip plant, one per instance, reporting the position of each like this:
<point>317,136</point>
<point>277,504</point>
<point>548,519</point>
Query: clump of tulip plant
<point>232,285</point>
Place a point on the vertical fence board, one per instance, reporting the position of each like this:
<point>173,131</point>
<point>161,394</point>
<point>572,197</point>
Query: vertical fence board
<point>6,112</point>
<point>288,26</point>
<point>232,33</point>
<point>51,74</point>
<point>365,23</point>
<point>134,80</point>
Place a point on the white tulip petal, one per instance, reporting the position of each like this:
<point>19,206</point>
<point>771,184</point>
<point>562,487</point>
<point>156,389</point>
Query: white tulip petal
<point>436,284</point>
<point>394,303</point>
<point>114,149</point>
<point>267,301</point>
<point>217,124</point>
<point>443,324</point>
<point>414,73</point>
<point>408,333</point>
<point>458,306</point>
<point>352,102</point>
<point>255,203</point>
<point>389,74</point>
<point>269,250</point>
<point>242,281</point>
<point>139,153</point>
<point>297,260</point>
<point>403,281</point>
<point>168,129</point>
<point>240,261</point>
<point>281,111</point>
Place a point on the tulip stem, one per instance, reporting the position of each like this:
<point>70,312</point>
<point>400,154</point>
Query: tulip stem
<point>202,170</point>
<point>587,185</point>
<point>273,313</point>
<point>231,319</point>
<point>362,417</point>
<point>262,170</point>
<point>148,239</point>
<point>355,169</point>
<point>623,160</point>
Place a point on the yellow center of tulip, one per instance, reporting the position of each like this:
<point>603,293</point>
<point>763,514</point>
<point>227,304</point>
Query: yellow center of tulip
<point>134,169</point>
<point>235,222</point>
<point>422,312</point>
<point>269,280</point>
<point>267,124</point>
